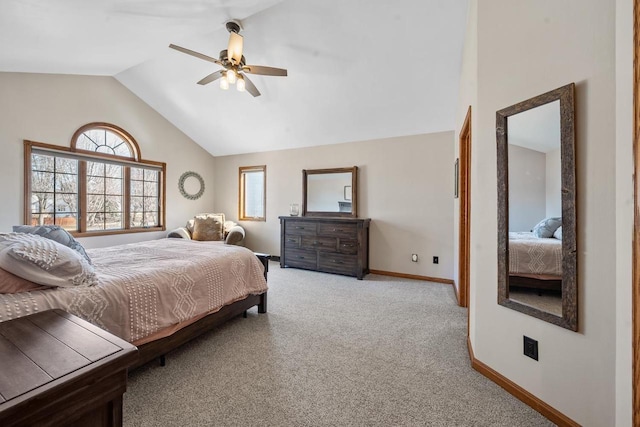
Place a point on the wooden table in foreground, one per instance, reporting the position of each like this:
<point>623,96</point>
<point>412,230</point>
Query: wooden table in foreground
<point>58,369</point>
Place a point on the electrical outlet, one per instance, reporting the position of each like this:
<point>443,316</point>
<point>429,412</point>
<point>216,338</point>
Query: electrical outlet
<point>435,260</point>
<point>530,347</point>
<point>414,257</point>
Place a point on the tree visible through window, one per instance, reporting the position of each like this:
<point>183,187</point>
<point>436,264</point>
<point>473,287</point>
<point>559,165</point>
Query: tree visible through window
<point>252,192</point>
<point>98,186</point>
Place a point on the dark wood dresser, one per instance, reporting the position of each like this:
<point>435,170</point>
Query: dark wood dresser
<point>330,245</point>
<point>59,370</point>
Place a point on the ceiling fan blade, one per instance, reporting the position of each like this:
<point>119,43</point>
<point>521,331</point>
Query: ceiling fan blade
<point>194,53</point>
<point>234,51</point>
<point>250,87</point>
<point>211,77</point>
<point>265,71</point>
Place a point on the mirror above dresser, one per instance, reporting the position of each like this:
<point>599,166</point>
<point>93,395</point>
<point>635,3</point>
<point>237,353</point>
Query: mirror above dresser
<point>330,192</point>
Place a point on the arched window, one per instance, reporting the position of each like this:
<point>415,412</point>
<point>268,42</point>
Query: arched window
<point>99,185</point>
<point>106,139</point>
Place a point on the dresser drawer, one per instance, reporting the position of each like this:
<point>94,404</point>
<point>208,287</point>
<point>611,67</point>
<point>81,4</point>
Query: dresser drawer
<point>347,246</point>
<point>292,241</point>
<point>301,259</point>
<point>338,263</point>
<point>301,227</point>
<point>337,229</point>
<point>319,243</point>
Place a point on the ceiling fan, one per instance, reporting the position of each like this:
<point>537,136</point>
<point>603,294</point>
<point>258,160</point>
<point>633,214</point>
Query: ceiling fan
<point>233,62</point>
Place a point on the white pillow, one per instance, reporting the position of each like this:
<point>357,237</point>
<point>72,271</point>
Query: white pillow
<point>546,227</point>
<point>558,233</point>
<point>44,261</point>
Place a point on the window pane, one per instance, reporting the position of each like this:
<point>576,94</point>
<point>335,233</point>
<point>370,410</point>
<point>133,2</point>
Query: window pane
<point>136,204</point>
<point>42,202</point>
<point>136,219</point>
<point>151,219</point>
<point>40,162</point>
<point>95,221</point>
<point>95,203</point>
<point>67,220</point>
<point>66,202</point>
<point>113,171</point>
<point>254,196</point>
<point>113,221</point>
<point>95,185</point>
<point>150,189</point>
<point>42,219</point>
<point>113,204</point>
<point>66,183</point>
<point>66,166</point>
<point>42,181</point>
<point>113,186</point>
<point>150,175</point>
<point>150,204</point>
<point>137,173</point>
<point>95,169</point>
<point>136,188</point>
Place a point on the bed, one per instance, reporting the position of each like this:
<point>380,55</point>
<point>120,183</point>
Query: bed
<point>157,294</point>
<point>535,262</point>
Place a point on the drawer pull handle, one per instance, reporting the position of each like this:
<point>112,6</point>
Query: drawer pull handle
<point>291,240</point>
<point>337,262</point>
<point>299,228</point>
<point>300,257</point>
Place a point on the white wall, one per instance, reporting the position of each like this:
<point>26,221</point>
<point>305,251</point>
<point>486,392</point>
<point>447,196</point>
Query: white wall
<point>405,185</point>
<point>527,188</point>
<point>50,108</point>
<point>553,184</point>
<point>624,208</point>
<point>526,48</point>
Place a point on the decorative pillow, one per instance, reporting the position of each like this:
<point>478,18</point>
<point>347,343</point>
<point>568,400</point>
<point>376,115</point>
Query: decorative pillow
<point>44,261</point>
<point>56,233</point>
<point>192,221</point>
<point>207,227</point>
<point>546,227</point>
<point>558,233</point>
<point>12,284</point>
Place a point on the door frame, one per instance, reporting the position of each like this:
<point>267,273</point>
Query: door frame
<point>635,284</point>
<point>464,243</point>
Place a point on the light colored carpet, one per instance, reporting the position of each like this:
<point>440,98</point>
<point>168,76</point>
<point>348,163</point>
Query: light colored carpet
<point>332,351</point>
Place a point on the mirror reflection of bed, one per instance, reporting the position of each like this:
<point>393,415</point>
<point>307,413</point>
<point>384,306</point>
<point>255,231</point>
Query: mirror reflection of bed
<point>535,208</point>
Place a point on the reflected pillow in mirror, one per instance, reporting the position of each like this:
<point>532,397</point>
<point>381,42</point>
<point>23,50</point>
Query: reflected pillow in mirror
<point>558,233</point>
<point>547,227</point>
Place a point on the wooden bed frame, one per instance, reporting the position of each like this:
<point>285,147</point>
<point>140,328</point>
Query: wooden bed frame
<point>159,348</point>
<point>530,282</point>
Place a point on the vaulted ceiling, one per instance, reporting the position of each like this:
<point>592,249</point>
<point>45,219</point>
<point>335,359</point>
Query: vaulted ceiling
<point>358,69</point>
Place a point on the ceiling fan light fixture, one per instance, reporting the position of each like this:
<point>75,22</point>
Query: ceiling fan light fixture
<point>224,83</point>
<point>231,76</point>
<point>240,85</point>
